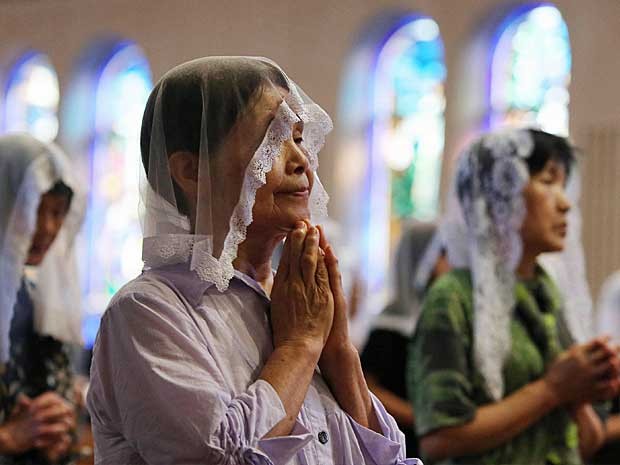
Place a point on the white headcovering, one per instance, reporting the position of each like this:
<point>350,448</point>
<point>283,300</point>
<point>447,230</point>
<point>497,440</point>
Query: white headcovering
<point>200,107</point>
<point>29,169</point>
<point>481,231</point>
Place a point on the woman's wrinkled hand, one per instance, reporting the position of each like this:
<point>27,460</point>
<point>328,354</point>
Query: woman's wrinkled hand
<point>302,305</point>
<point>338,340</point>
<point>585,373</point>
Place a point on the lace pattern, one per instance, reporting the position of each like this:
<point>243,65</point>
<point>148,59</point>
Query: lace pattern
<point>220,271</point>
<point>490,181</point>
<point>169,238</point>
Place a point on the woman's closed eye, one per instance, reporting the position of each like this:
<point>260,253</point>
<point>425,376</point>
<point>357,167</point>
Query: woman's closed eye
<point>298,132</point>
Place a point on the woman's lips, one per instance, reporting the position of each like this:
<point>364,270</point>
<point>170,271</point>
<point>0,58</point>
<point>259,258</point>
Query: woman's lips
<point>300,193</point>
<point>561,229</point>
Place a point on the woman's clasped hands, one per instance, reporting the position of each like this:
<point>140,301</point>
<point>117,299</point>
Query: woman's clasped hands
<point>308,306</point>
<point>587,372</point>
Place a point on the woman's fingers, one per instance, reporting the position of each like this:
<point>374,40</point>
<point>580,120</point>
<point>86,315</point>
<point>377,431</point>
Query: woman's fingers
<point>605,390</point>
<point>322,274</point>
<point>55,412</point>
<point>335,280</point>
<point>297,238</point>
<point>599,344</point>
<point>310,256</point>
<point>52,429</point>
<point>45,400</point>
<point>22,405</point>
<point>598,356</point>
<point>323,241</point>
<point>43,442</point>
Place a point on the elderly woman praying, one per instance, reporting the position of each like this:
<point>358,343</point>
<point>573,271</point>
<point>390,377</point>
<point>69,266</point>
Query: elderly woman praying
<point>208,357</point>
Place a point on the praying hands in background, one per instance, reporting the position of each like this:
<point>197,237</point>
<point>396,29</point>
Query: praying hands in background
<point>44,422</point>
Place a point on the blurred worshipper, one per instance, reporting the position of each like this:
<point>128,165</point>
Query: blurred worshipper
<point>419,260</point>
<point>41,211</point>
<point>207,357</point>
<point>501,371</point>
<point>608,323</point>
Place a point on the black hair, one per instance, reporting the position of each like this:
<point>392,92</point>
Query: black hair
<point>549,147</point>
<point>545,147</point>
<point>62,190</point>
<point>232,85</point>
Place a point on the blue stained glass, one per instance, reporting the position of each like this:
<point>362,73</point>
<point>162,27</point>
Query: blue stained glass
<point>393,130</point>
<point>409,127</point>
<point>530,71</point>
<point>113,233</point>
<point>32,97</point>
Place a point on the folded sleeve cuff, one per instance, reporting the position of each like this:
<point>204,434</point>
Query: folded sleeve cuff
<point>382,449</point>
<point>282,449</point>
<point>264,409</point>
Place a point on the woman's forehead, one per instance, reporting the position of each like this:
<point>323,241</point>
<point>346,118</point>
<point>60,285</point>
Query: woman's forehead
<point>270,100</point>
<point>555,166</point>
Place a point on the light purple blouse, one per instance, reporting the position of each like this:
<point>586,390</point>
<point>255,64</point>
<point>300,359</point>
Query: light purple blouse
<point>174,381</point>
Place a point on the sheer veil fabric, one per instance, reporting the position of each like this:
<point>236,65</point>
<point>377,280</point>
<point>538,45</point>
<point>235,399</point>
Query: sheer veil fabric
<point>30,168</point>
<point>481,231</point>
<point>234,113</point>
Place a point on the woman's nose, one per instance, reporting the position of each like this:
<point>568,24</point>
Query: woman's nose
<point>564,203</point>
<point>297,162</point>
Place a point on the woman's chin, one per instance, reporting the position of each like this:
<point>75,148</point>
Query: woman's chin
<point>555,246</point>
<point>294,217</point>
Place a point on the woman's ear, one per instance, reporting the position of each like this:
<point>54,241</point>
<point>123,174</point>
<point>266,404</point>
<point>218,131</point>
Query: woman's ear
<point>184,171</point>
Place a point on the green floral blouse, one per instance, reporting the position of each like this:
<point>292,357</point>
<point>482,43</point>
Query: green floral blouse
<point>446,389</point>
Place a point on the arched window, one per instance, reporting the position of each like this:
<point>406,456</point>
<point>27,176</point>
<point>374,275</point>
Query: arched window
<point>112,234</point>
<point>32,96</point>
<point>408,122</point>
<point>530,70</point>
<point>392,115</point>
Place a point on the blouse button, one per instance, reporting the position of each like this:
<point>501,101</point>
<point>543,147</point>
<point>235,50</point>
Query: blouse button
<point>323,438</point>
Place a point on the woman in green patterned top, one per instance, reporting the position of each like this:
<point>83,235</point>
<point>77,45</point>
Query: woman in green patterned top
<point>500,370</point>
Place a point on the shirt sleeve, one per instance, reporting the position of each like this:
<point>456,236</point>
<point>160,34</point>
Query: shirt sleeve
<point>154,379</point>
<point>387,448</point>
<point>439,374</point>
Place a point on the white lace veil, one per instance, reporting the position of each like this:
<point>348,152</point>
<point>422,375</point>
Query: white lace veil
<point>481,231</point>
<point>234,113</point>
<point>29,169</point>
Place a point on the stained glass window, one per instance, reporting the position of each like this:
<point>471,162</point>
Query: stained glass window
<point>407,139</point>
<point>31,99</point>
<point>530,70</point>
<point>113,234</point>
<point>409,117</point>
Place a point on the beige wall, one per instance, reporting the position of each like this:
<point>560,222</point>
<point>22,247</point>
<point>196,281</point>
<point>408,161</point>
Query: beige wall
<point>311,41</point>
